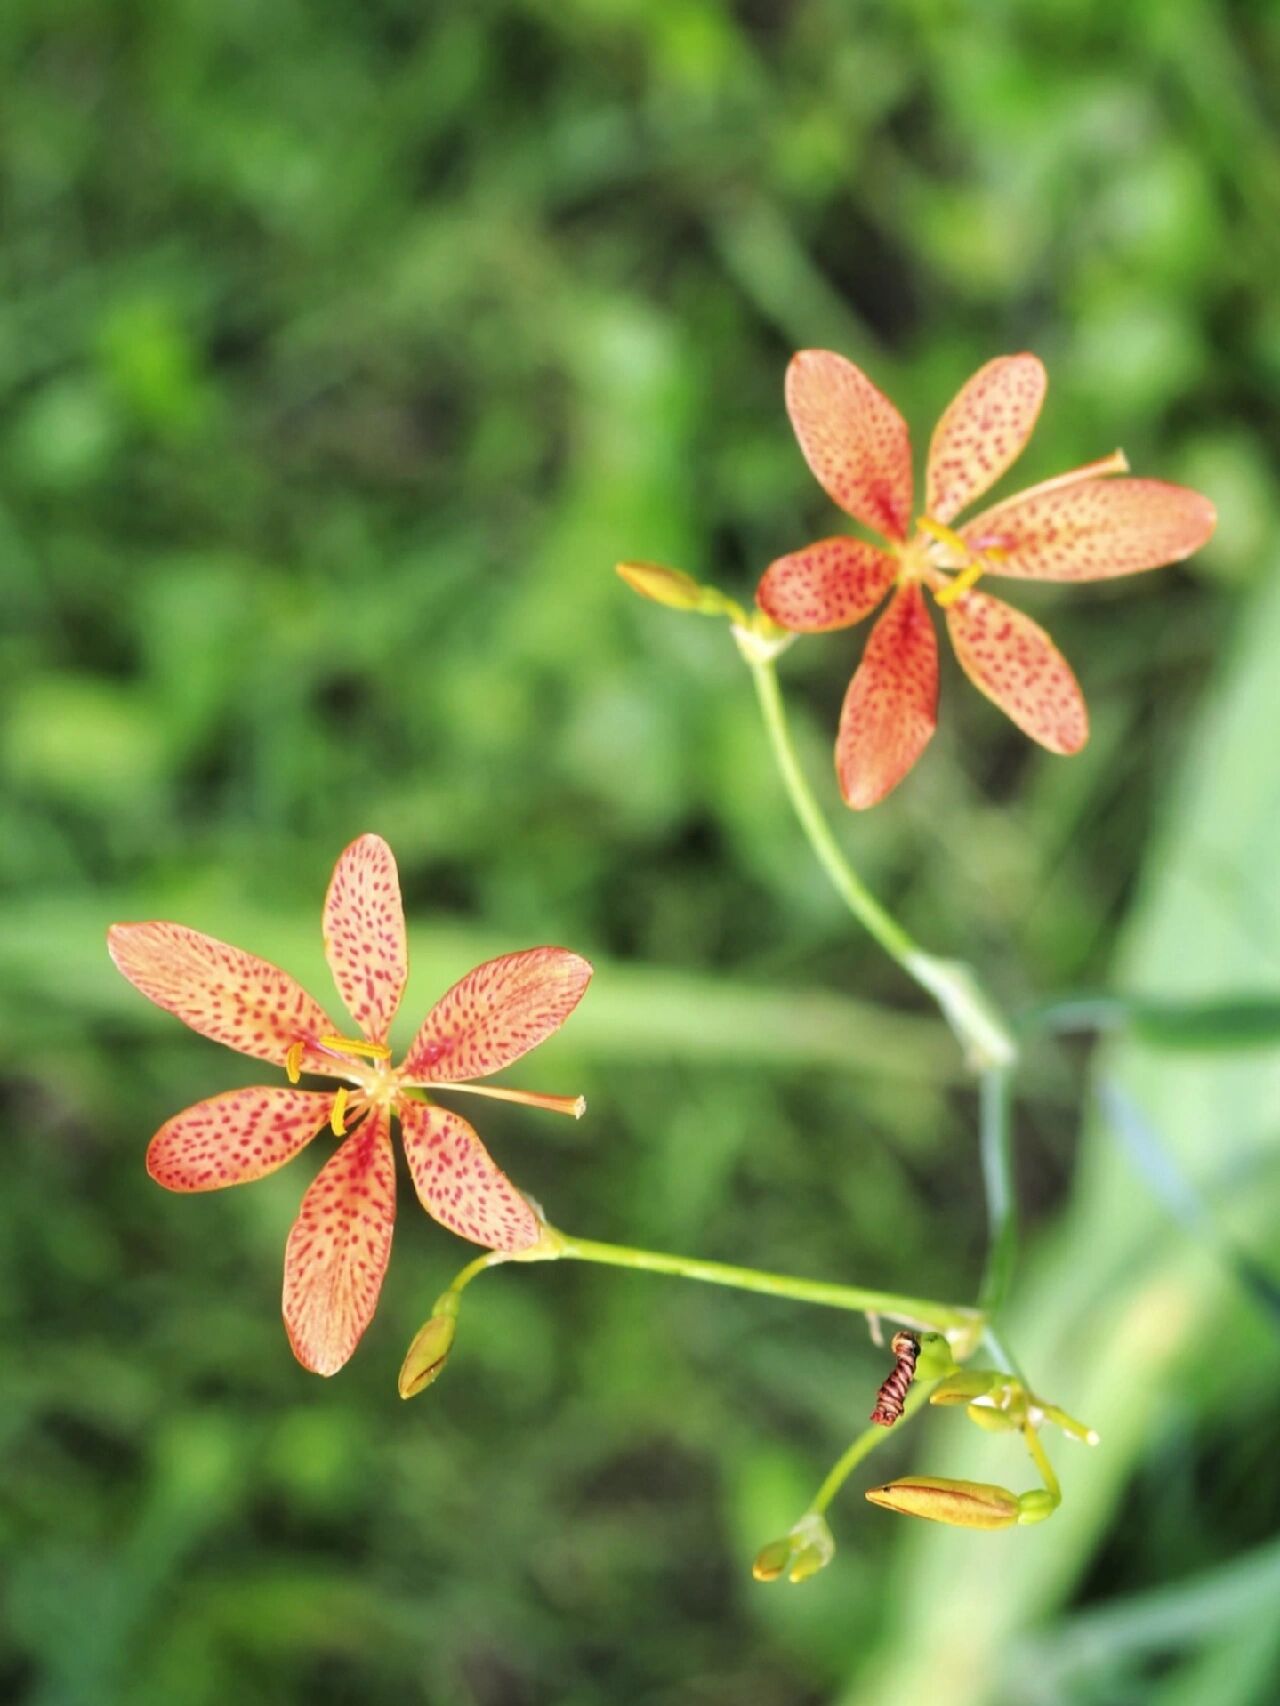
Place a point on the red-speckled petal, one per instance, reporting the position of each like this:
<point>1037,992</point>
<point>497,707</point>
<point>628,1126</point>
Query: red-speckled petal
<point>891,708</point>
<point>339,1247</point>
<point>232,1139</point>
<point>983,432</point>
<point>853,439</point>
<point>1093,530</point>
<point>832,584</point>
<point>222,992</point>
<point>364,937</point>
<point>1013,661</point>
<point>495,1014</point>
<point>459,1183</point>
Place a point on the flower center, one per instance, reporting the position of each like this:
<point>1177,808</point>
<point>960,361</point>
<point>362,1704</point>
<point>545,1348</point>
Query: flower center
<point>366,1066</point>
<point>948,565</point>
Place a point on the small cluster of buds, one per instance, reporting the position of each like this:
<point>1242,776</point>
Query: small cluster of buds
<point>801,1553</point>
<point>995,1401</point>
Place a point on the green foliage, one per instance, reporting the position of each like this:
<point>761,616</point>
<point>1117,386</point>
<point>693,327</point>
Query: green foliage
<point>343,350</point>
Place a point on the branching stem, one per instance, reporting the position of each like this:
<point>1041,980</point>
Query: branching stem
<point>924,1312</point>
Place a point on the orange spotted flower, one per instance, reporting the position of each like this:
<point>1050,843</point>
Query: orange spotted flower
<point>1080,526</point>
<point>338,1247</point>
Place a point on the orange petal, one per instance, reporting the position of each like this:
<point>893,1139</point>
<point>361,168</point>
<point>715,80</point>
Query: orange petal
<point>495,1014</point>
<point>459,1183</point>
<point>890,710</point>
<point>832,584</point>
<point>983,431</point>
<point>339,1247</point>
<point>234,1138</point>
<point>1013,661</point>
<point>364,937</point>
<point>853,439</point>
<point>1093,530</point>
<point>222,992</point>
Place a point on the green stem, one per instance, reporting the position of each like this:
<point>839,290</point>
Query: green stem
<point>995,1107</point>
<point>848,885</point>
<point>972,1015</point>
<point>463,1278</point>
<point>915,1311</point>
<point>1004,1358</point>
<point>1042,1463</point>
<point>981,1028</point>
<point>862,1446</point>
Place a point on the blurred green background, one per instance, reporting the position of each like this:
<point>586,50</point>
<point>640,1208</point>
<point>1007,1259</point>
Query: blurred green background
<point>342,350</point>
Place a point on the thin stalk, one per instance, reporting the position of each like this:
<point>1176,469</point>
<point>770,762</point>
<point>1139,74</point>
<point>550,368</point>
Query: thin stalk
<point>981,1028</point>
<point>844,879</point>
<point>862,1446</point>
<point>972,1015</point>
<point>463,1278</point>
<point>995,1101</point>
<point>1002,1356</point>
<point>1042,1463</point>
<point>914,1311</point>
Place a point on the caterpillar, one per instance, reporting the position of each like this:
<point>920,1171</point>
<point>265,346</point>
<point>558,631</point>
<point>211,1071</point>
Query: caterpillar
<point>888,1406</point>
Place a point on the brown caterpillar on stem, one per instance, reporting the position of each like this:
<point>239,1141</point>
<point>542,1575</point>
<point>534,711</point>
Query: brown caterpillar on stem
<point>889,1399</point>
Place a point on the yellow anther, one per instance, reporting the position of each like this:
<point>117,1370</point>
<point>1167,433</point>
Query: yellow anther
<point>293,1061</point>
<point>356,1045</point>
<point>960,585</point>
<point>945,536</point>
<point>338,1115</point>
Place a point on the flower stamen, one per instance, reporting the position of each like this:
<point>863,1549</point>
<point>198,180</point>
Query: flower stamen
<point>356,1046</point>
<point>293,1061</point>
<point>945,536</point>
<point>338,1113</point>
<point>573,1105</point>
<point>972,564</point>
<point>960,585</point>
<point>1116,463</point>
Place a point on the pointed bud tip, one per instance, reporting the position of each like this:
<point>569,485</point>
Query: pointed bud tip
<point>672,587</point>
<point>991,1419</point>
<point>677,590</point>
<point>801,1553</point>
<point>771,1560</point>
<point>425,1359</point>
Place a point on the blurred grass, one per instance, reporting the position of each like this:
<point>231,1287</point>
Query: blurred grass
<point>342,350</point>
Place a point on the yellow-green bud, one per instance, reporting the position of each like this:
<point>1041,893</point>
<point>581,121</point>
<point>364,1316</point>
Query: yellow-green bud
<point>962,1504</point>
<point>801,1553</point>
<point>677,590</point>
<point>935,1358</point>
<point>1036,1505</point>
<point>964,1386</point>
<point>991,1420</point>
<point>772,1560</point>
<point>428,1354</point>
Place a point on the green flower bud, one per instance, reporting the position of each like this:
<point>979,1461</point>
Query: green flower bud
<point>677,590</point>
<point>991,1420</point>
<point>427,1355</point>
<point>1036,1505</point>
<point>804,1551</point>
<point>935,1359</point>
<point>964,1386</point>
<point>772,1560</point>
